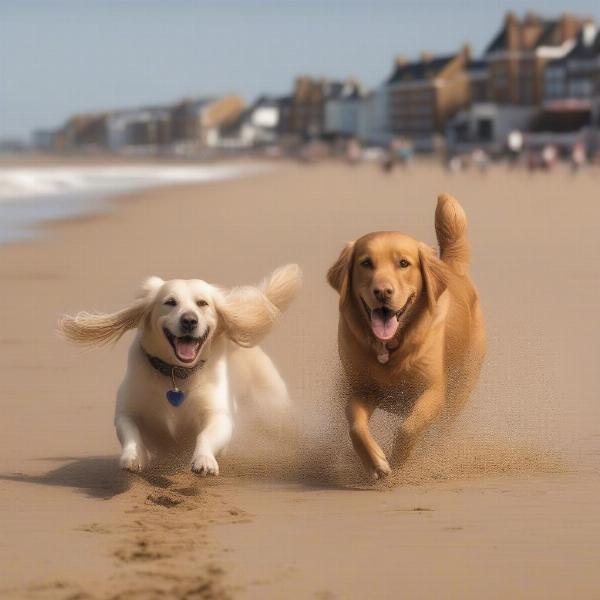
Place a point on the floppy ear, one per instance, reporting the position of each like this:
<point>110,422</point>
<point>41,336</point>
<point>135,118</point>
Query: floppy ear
<point>435,275</point>
<point>149,287</point>
<point>246,314</point>
<point>93,329</point>
<point>338,275</point>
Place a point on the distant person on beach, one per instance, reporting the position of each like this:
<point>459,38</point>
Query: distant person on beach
<point>549,157</point>
<point>578,156</point>
<point>353,152</point>
<point>389,158</point>
<point>455,164</point>
<point>404,151</point>
<point>514,143</point>
<point>480,160</point>
<point>534,160</point>
<point>400,151</point>
<point>387,162</point>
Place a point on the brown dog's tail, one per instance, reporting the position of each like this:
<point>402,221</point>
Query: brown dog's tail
<point>451,231</point>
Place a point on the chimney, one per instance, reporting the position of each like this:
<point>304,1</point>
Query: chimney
<point>588,34</point>
<point>511,26</point>
<point>466,52</point>
<point>568,27</point>
<point>426,57</point>
<point>400,60</point>
<point>531,18</point>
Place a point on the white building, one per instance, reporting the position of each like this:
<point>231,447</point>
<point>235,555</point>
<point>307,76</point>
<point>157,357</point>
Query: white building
<point>259,125</point>
<point>354,113</point>
<point>374,119</point>
<point>139,127</point>
<point>487,124</point>
<point>342,110</point>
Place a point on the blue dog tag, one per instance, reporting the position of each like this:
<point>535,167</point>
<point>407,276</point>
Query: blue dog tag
<point>175,397</point>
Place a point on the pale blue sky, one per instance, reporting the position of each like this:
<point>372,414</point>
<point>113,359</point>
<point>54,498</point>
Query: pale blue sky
<point>62,56</point>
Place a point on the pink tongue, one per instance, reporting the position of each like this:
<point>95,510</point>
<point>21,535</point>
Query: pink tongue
<point>186,349</point>
<point>384,329</point>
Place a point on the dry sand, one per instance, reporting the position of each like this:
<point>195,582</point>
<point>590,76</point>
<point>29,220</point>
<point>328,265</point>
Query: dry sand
<point>508,507</point>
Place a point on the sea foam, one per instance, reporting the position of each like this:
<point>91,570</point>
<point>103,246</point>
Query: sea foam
<point>36,182</point>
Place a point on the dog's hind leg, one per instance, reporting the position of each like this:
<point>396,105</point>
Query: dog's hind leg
<point>133,452</point>
<point>256,382</point>
<point>424,411</point>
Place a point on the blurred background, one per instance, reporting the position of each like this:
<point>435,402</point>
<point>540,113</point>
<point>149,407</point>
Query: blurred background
<point>204,79</point>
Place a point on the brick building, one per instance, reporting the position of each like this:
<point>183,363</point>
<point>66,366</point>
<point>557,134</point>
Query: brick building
<point>424,94</point>
<point>520,51</point>
<point>307,117</point>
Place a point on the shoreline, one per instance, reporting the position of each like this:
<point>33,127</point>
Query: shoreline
<point>42,193</point>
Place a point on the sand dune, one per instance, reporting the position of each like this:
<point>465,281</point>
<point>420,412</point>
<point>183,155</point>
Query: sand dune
<point>505,507</point>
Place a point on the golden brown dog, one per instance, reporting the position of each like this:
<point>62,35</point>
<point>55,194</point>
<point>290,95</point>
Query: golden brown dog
<point>411,334</point>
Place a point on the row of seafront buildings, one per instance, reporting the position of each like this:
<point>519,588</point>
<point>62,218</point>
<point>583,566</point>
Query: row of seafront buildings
<point>537,75</point>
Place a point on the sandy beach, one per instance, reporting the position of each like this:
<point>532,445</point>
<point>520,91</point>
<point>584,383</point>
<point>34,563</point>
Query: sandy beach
<point>507,507</point>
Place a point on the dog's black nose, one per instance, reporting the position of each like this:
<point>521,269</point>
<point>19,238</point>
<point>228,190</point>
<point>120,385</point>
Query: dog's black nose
<point>188,322</point>
<point>383,292</point>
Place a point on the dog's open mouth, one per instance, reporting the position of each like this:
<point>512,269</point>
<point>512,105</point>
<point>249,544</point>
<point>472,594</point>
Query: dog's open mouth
<point>385,321</point>
<point>186,347</point>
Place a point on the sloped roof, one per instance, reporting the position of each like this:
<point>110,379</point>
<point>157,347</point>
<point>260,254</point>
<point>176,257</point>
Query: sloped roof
<point>261,101</point>
<point>415,71</point>
<point>477,65</point>
<point>545,37</point>
<point>549,34</point>
<point>583,51</point>
<point>498,43</point>
<point>337,90</point>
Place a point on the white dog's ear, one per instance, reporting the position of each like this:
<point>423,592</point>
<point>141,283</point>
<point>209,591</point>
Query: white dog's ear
<point>97,329</point>
<point>283,285</point>
<point>149,287</point>
<point>248,313</point>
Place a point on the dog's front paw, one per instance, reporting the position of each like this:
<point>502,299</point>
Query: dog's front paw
<point>381,469</point>
<point>131,460</point>
<point>205,464</point>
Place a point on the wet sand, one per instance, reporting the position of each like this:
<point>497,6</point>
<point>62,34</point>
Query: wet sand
<point>505,507</point>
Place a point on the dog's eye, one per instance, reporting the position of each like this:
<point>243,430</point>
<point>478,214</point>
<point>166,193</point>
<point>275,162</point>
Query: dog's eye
<point>171,302</point>
<point>367,263</point>
<point>202,303</point>
<point>403,263</point>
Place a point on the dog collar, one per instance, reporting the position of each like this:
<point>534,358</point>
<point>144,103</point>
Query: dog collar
<point>175,396</point>
<point>169,370</point>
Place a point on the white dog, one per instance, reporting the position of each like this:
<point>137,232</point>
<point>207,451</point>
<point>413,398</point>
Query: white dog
<point>194,354</point>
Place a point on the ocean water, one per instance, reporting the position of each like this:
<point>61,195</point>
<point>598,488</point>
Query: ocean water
<point>29,196</point>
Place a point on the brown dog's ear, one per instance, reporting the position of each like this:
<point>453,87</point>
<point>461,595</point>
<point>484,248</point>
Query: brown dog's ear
<point>435,275</point>
<point>339,273</point>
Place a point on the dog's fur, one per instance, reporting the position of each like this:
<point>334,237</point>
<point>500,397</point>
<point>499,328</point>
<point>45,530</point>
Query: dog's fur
<point>230,323</point>
<point>432,360</point>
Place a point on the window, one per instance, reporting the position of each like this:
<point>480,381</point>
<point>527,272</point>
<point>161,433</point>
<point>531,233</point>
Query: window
<point>485,130</point>
<point>581,88</point>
